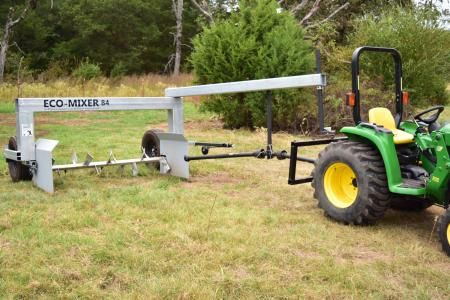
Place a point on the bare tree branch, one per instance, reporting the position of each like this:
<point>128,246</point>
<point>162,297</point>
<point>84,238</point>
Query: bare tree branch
<point>347,4</point>
<point>20,18</point>
<point>204,9</point>
<point>312,12</point>
<point>169,64</point>
<point>299,6</point>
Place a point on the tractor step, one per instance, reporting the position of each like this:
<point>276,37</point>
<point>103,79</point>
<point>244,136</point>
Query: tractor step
<point>413,183</point>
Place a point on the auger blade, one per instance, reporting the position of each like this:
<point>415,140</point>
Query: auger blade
<point>89,158</point>
<point>111,158</point>
<point>74,158</point>
<point>134,169</point>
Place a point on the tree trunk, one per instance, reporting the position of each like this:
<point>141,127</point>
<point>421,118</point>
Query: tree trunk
<point>178,10</point>
<point>4,43</point>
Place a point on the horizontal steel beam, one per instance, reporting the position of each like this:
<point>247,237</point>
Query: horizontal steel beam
<point>95,103</point>
<point>249,86</point>
<point>99,164</point>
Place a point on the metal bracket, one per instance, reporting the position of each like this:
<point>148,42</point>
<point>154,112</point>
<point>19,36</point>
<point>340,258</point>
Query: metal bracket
<point>174,147</point>
<point>294,158</point>
<point>43,177</point>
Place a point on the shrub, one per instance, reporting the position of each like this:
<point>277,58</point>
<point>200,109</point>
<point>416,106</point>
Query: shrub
<point>255,42</point>
<point>119,70</point>
<point>87,71</point>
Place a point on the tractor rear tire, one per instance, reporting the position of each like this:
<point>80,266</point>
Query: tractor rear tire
<point>350,183</point>
<point>151,144</point>
<point>409,203</point>
<point>17,170</point>
<point>444,231</point>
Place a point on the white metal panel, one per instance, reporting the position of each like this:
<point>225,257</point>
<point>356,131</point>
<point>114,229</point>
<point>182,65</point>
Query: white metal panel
<point>175,148</point>
<point>43,178</point>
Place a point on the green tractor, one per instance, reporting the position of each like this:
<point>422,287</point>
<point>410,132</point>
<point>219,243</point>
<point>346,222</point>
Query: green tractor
<point>385,162</point>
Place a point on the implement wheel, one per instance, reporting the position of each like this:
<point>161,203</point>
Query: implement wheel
<point>17,171</point>
<point>151,144</point>
<point>444,231</point>
<point>350,183</point>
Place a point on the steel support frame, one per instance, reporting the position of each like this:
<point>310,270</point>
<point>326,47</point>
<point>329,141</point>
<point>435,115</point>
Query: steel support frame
<point>27,107</point>
<point>311,80</point>
<point>173,103</point>
<point>292,180</point>
<point>39,154</point>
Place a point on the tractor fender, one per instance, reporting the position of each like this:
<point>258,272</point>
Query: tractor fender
<point>384,142</point>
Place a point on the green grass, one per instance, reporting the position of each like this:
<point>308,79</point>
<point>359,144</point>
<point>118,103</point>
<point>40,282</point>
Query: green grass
<point>234,230</point>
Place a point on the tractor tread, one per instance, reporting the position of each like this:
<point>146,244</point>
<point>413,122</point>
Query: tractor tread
<point>444,221</point>
<point>372,205</point>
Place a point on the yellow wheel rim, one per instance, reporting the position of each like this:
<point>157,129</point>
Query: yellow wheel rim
<point>340,185</point>
<point>448,233</point>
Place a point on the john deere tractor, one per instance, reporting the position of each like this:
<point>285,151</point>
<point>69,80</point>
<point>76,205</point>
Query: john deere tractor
<point>385,161</point>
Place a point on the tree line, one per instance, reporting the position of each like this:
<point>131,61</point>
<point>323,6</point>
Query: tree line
<point>231,40</point>
<point>53,37</point>
<point>121,36</point>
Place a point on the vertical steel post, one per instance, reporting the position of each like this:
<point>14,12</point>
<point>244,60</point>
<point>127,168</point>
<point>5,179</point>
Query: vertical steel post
<point>269,116</point>
<point>175,117</point>
<point>319,94</point>
<point>25,132</point>
<point>293,163</point>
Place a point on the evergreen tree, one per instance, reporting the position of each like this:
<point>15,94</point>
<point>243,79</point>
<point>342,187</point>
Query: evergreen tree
<point>255,42</point>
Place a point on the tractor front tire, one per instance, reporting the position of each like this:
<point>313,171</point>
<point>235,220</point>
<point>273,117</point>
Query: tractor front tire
<point>350,183</point>
<point>444,231</point>
<point>17,170</point>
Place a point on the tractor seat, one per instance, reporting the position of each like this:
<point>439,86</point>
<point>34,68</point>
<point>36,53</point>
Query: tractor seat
<point>383,117</point>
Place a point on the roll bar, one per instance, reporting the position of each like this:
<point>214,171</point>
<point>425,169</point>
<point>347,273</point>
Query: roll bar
<point>398,81</point>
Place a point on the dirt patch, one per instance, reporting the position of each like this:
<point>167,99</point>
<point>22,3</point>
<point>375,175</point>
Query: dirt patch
<point>217,178</point>
<point>192,125</point>
<point>7,119</point>
<point>241,273</point>
<point>10,120</point>
<point>70,275</point>
<point>304,254</point>
<point>211,180</point>
<point>41,132</point>
<point>4,244</point>
<point>162,126</point>
<point>444,267</point>
<point>362,256</point>
<point>204,124</point>
<point>41,120</point>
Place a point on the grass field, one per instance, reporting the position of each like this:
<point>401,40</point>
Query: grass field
<point>234,230</point>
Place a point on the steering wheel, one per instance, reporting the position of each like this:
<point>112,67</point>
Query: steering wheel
<point>431,119</point>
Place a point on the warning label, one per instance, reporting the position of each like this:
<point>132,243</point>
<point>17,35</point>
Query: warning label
<point>27,129</point>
